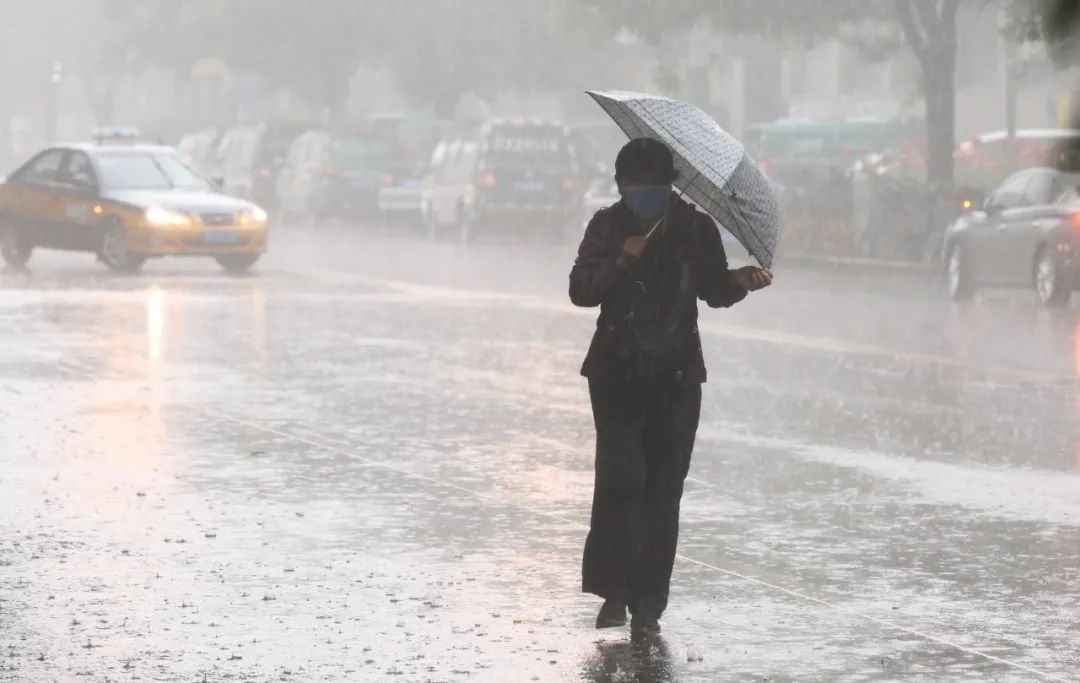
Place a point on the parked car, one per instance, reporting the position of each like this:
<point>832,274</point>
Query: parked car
<point>249,158</point>
<point>126,203</point>
<point>199,148</point>
<point>505,176</point>
<point>985,160</point>
<point>597,145</point>
<point>1027,234</point>
<point>409,141</point>
<point>332,175</point>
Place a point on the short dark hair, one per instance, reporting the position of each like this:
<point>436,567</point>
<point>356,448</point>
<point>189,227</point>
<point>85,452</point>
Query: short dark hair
<point>645,158</point>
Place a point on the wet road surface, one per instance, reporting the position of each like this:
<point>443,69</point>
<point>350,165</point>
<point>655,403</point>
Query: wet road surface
<point>371,460</point>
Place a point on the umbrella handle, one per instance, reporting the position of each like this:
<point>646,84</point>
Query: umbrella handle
<point>682,191</point>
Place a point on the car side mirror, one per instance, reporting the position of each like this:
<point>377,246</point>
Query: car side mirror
<point>218,183</point>
<point>991,207</point>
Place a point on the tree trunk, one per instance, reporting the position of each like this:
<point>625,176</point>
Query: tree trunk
<point>1011,86</point>
<point>930,29</point>
<point>940,127</point>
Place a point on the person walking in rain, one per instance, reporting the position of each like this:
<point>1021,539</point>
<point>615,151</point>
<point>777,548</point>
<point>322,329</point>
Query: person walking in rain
<point>645,369</point>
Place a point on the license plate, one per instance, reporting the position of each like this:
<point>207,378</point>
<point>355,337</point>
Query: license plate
<point>221,237</point>
<point>529,186</point>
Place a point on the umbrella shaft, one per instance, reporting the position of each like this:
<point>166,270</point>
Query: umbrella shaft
<point>682,191</point>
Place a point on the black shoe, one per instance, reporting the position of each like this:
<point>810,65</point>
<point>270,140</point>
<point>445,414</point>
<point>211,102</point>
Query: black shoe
<point>644,626</point>
<point>612,613</point>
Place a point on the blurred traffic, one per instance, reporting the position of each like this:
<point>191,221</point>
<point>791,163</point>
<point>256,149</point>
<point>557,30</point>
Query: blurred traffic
<point>850,188</point>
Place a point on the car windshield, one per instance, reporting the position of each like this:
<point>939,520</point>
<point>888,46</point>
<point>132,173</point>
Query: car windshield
<point>148,171</point>
<point>413,143</point>
<point>528,146</point>
<point>357,154</point>
<point>275,142</point>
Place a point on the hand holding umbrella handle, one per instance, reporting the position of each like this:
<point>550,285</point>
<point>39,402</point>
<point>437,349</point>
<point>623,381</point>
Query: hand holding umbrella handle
<point>632,249</point>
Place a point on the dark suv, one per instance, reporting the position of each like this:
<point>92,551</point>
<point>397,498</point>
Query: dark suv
<point>505,176</point>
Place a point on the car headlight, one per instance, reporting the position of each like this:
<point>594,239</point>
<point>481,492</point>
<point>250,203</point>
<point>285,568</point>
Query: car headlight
<point>163,218</point>
<point>253,214</point>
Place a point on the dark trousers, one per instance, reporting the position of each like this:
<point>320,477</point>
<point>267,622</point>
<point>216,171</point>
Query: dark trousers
<point>644,438</point>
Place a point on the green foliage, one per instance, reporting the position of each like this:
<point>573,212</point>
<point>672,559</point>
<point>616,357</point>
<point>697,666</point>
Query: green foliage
<point>1059,22</point>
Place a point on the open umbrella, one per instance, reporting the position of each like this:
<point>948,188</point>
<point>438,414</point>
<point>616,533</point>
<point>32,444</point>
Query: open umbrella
<point>715,171</point>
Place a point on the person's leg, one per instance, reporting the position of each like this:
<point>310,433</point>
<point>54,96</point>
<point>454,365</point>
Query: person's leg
<point>669,434</point>
<point>617,492</point>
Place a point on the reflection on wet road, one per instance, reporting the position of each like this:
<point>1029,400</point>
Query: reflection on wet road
<point>373,462</point>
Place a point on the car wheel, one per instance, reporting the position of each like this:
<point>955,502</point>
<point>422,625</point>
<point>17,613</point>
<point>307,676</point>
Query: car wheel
<point>958,274</point>
<point>15,251</point>
<point>1050,285</point>
<point>237,263</point>
<point>114,251</point>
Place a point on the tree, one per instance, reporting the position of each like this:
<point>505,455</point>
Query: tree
<point>1061,19</point>
<point>930,31</point>
<point>927,27</point>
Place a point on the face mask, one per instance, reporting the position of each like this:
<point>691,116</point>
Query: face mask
<point>647,202</point>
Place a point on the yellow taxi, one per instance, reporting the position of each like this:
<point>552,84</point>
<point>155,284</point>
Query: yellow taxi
<point>126,203</point>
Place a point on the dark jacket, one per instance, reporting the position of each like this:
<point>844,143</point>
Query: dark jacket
<point>682,264</point>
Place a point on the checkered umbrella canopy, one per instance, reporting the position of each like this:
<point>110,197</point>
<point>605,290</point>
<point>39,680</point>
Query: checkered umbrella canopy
<point>715,171</point>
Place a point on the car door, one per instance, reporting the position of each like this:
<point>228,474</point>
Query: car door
<point>251,172</point>
<point>223,164</point>
<point>315,172</point>
<point>989,252</point>
<point>1020,235</point>
<point>33,190</point>
<point>288,178</point>
<point>433,178</point>
<point>236,153</point>
<point>468,159</point>
<point>219,156</point>
<point>77,191</point>
<point>445,199</point>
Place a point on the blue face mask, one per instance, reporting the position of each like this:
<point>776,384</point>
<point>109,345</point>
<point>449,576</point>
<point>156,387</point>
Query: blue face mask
<point>647,202</point>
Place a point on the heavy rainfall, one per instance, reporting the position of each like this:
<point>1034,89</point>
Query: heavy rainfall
<point>575,340</point>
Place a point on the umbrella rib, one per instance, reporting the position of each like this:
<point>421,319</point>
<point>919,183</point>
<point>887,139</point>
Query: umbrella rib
<point>659,124</point>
